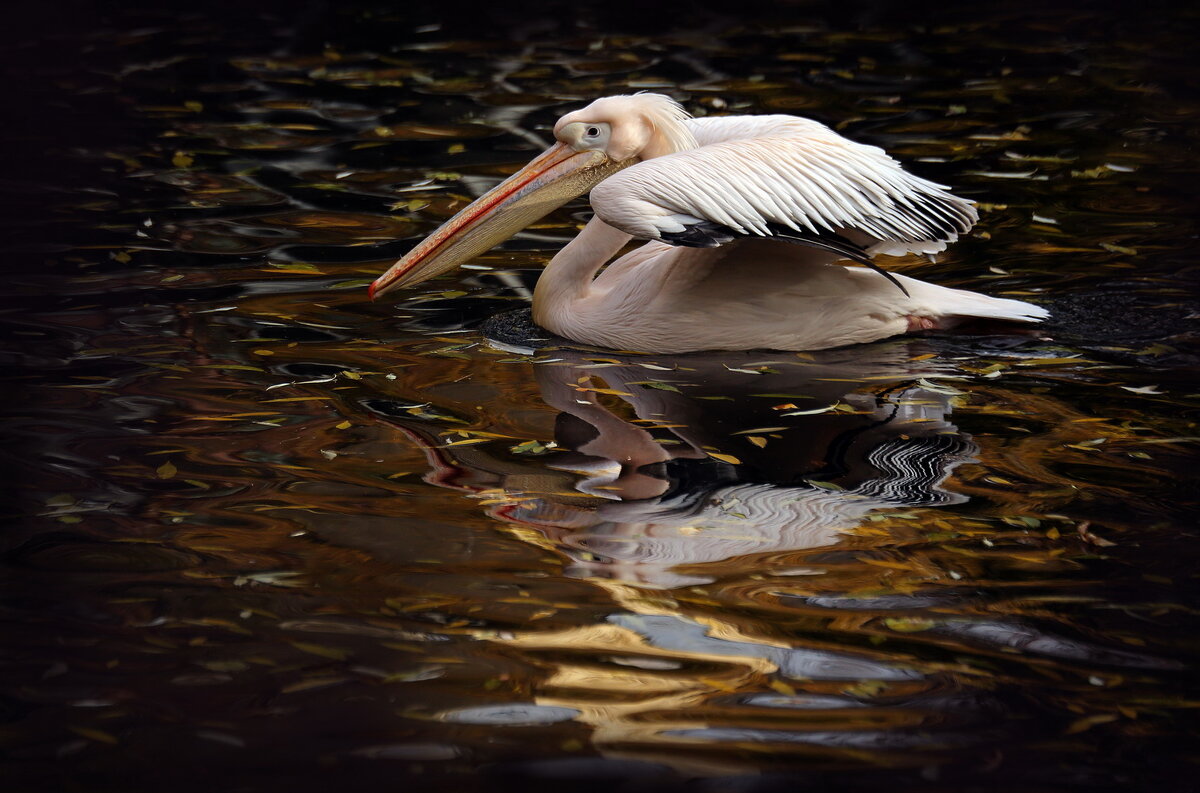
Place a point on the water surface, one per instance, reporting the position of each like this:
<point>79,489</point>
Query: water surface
<point>270,536</point>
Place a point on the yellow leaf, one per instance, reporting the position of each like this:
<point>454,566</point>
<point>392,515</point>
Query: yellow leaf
<point>182,160</point>
<point>322,650</point>
<point>908,624</point>
<point>313,682</point>
<point>297,399</point>
<point>1088,722</point>
<point>725,458</point>
<point>717,683</point>
<point>95,735</point>
<point>166,470</point>
<point>783,688</point>
<point>611,391</point>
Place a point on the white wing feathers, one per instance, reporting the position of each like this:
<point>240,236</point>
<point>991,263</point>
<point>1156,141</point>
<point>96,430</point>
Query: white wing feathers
<point>764,175</point>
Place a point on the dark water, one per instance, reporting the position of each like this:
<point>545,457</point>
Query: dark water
<point>269,536</point>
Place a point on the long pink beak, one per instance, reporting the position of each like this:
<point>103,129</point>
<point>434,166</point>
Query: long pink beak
<point>552,179</point>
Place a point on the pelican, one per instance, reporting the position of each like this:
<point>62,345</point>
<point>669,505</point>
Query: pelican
<point>743,219</point>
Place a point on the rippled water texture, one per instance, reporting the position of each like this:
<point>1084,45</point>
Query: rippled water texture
<point>267,535</point>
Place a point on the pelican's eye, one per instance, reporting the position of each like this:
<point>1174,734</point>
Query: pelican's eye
<point>583,136</point>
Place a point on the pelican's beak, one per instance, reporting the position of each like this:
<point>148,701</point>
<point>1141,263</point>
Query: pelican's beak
<point>553,178</point>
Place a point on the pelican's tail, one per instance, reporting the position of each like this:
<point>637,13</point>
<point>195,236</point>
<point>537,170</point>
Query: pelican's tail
<point>949,303</point>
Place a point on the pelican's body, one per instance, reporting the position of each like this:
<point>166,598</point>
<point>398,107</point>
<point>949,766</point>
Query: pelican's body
<point>743,217</point>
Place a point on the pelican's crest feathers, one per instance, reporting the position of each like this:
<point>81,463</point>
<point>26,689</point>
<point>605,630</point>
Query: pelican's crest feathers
<point>669,119</point>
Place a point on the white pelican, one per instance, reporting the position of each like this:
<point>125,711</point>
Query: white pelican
<point>718,201</point>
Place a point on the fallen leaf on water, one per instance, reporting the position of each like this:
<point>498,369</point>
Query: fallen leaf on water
<point>610,391</point>
<point>825,409</point>
<point>314,682</point>
<point>293,267</point>
<point>658,385</point>
<point>322,650</point>
<point>1004,174</point>
<point>865,688</point>
<point>1088,722</point>
<point>908,624</point>
<point>94,735</point>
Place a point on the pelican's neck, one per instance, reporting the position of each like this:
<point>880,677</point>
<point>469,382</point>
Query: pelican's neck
<point>568,276</point>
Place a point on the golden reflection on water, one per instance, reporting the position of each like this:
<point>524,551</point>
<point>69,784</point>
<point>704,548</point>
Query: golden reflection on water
<point>267,519</point>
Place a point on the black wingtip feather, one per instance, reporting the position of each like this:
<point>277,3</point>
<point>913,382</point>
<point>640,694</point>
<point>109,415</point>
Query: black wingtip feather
<point>888,276</point>
<point>701,235</point>
<point>707,234</point>
<point>834,243</point>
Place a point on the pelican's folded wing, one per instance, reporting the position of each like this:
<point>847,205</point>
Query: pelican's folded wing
<point>786,177</point>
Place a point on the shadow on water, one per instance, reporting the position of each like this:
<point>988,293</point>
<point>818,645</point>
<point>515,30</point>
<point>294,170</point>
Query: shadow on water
<point>266,535</point>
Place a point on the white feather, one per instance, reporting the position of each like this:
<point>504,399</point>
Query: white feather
<point>748,171</point>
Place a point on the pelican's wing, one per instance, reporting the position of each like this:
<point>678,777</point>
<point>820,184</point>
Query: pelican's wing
<point>784,177</point>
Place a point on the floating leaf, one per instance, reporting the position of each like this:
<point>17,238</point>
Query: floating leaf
<point>938,388</point>
<point>94,734</point>
<point>295,267</point>
<point>1088,722</point>
<point>166,470</point>
<point>658,385</point>
<point>529,447</point>
<point>866,688</point>
<point>311,683</point>
<point>814,412</point>
<point>468,441</point>
<point>908,624</point>
<point>322,650</point>
<point>609,391</point>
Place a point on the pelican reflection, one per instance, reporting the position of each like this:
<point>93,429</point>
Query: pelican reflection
<point>698,459</point>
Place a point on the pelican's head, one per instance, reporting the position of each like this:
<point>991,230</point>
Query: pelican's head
<point>591,144</point>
